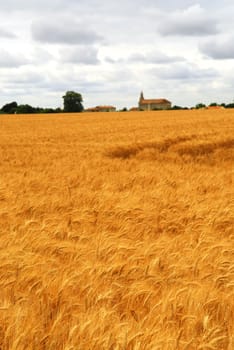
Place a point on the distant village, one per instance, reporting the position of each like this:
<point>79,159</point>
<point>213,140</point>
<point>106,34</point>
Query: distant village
<point>157,104</point>
<point>143,105</point>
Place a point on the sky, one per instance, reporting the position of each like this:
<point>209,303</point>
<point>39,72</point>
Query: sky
<point>110,51</point>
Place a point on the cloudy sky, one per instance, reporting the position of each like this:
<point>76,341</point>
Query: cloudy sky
<point>109,51</point>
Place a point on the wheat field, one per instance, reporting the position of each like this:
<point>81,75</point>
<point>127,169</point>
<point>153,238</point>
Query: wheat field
<point>116,231</point>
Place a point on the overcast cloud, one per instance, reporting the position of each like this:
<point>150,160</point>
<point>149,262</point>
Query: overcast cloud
<point>86,55</point>
<point>192,21</point>
<point>4,33</point>
<point>64,31</point>
<point>109,51</point>
<point>219,48</point>
<point>11,60</point>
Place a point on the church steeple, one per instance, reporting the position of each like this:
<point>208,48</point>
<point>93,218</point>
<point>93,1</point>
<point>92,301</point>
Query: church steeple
<point>141,96</point>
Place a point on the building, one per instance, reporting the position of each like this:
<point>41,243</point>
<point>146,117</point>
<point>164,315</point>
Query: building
<point>215,107</point>
<point>153,104</point>
<point>101,109</point>
<point>133,109</point>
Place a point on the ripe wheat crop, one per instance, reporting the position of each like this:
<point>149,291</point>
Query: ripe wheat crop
<point>116,231</point>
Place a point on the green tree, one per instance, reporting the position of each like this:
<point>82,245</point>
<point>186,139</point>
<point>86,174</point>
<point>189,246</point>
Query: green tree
<point>9,108</point>
<point>200,105</point>
<point>25,109</point>
<point>72,102</point>
<point>230,105</point>
<point>175,107</point>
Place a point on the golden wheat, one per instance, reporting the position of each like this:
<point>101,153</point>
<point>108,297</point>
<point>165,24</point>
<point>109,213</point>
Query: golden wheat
<point>116,231</point>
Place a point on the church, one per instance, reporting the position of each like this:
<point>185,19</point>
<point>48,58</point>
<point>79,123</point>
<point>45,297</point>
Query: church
<point>153,104</point>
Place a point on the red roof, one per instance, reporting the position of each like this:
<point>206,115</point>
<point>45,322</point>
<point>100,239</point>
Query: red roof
<point>105,107</point>
<point>156,101</point>
<point>215,107</point>
<point>99,108</point>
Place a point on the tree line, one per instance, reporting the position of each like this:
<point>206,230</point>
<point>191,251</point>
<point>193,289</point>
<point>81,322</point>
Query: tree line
<point>72,102</point>
<point>214,104</point>
<point>203,105</point>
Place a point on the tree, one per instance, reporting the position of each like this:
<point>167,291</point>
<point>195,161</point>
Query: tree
<point>25,109</point>
<point>72,102</point>
<point>230,105</point>
<point>200,105</point>
<point>175,107</point>
<point>9,107</point>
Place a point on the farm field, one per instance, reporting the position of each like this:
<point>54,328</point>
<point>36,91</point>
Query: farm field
<point>116,231</point>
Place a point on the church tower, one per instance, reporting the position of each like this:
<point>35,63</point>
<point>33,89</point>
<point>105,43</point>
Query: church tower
<point>141,97</point>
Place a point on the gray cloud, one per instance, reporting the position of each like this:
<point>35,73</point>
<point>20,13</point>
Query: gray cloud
<point>104,5</point>
<point>6,34</point>
<point>33,5</point>
<point>184,71</point>
<point>41,56</point>
<point>30,79</point>
<point>193,21</point>
<point>80,55</point>
<point>154,58</point>
<point>9,60</point>
<point>64,31</point>
<point>219,48</point>
<point>25,78</point>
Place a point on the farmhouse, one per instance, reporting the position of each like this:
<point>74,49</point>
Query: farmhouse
<point>149,105</point>
<point>215,107</point>
<point>101,109</point>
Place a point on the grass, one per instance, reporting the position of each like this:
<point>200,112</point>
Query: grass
<point>117,231</point>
